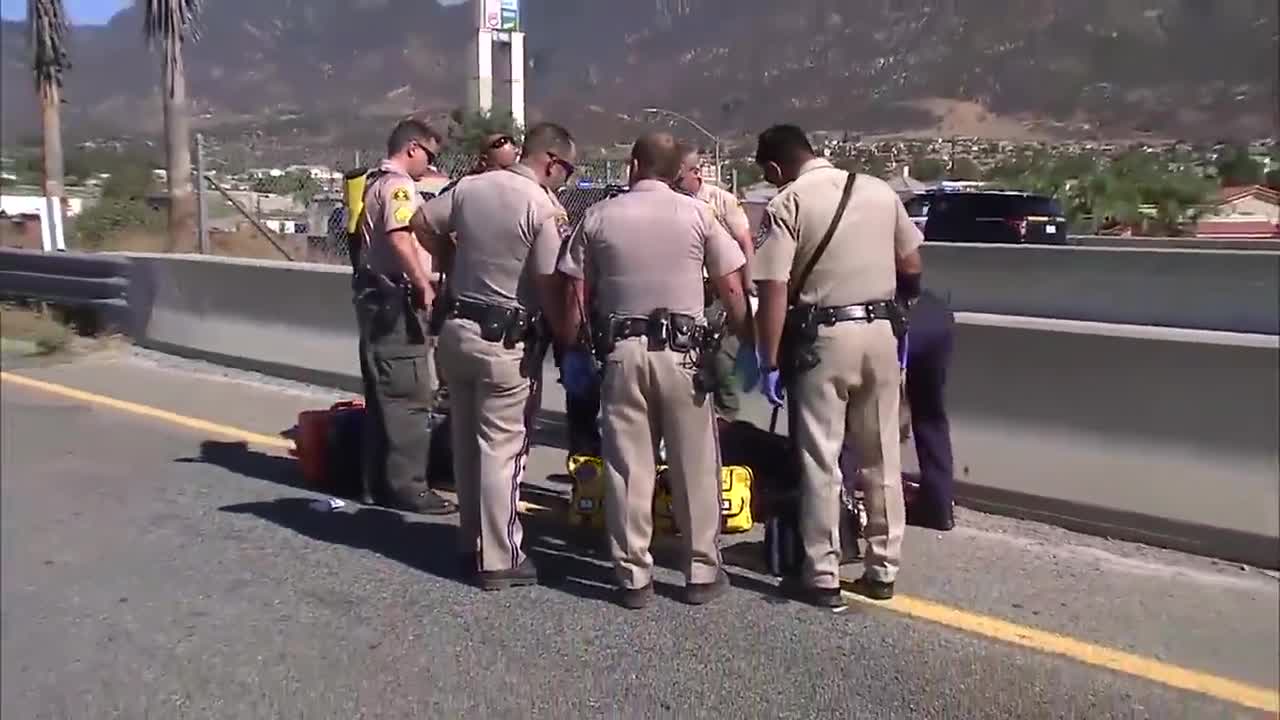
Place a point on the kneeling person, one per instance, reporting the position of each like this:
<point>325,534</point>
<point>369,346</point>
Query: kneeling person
<point>643,253</point>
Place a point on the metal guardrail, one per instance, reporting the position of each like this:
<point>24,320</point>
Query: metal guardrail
<point>96,282</point>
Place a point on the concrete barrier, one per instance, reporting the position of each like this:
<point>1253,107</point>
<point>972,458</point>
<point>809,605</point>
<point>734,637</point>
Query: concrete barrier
<point>1224,290</point>
<point>1168,437</point>
<point>1161,435</point>
<point>288,319</point>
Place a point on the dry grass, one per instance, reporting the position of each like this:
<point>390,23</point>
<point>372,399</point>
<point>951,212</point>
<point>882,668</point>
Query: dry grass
<point>36,326</point>
<point>245,243</point>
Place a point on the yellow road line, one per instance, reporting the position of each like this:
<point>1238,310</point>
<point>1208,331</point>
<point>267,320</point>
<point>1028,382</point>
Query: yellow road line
<point>1096,655</point>
<point>973,623</point>
<point>151,412</point>
<point>234,433</point>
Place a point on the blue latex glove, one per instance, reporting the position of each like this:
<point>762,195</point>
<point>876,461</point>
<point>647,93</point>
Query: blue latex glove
<point>771,386</point>
<point>747,368</point>
<point>577,372</point>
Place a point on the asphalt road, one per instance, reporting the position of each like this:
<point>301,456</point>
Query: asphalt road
<point>154,570</point>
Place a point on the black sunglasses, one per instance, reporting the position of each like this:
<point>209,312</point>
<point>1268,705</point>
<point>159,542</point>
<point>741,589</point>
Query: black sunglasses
<point>569,168</point>
<point>431,155</point>
<point>502,142</point>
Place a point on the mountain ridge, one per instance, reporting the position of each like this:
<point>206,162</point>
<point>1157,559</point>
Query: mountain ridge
<point>1197,69</point>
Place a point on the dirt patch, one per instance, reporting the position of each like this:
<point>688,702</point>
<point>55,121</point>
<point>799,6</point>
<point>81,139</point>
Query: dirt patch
<point>963,118</point>
<point>34,327</point>
<point>40,333</point>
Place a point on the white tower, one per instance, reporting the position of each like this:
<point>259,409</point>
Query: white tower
<point>498,36</point>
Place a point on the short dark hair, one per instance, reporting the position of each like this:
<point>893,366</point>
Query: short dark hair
<point>410,131</point>
<point>548,138</point>
<point>783,144</point>
<point>657,154</point>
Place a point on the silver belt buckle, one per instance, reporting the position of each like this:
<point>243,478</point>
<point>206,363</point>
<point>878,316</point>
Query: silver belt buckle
<point>854,312</point>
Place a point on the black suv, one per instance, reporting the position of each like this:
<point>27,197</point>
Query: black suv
<point>989,217</point>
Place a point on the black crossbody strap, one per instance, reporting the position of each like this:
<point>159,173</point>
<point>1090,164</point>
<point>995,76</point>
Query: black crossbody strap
<point>797,286</point>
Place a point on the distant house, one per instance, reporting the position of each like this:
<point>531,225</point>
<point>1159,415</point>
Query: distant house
<point>1252,211</point>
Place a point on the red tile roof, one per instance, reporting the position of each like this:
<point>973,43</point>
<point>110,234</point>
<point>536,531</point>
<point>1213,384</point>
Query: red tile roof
<point>1229,195</point>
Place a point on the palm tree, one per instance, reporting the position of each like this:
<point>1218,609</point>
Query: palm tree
<point>170,23</point>
<point>48,37</point>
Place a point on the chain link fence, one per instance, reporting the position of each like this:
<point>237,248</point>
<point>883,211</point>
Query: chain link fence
<point>257,207</point>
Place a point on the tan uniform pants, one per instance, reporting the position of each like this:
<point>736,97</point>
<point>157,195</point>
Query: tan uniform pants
<point>492,406</point>
<point>646,395</point>
<point>853,395</point>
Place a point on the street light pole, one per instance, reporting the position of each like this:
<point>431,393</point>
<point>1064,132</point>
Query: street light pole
<point>714,140</point>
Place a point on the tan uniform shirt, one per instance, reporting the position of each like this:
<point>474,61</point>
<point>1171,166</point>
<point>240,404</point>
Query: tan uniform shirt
<point>390,202</point>
<point>726,208</point>
<point>508,228</point>
<point>859,265</point>
<point>646,249</point>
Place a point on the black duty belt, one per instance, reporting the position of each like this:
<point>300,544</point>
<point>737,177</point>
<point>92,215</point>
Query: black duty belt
<point>860,312</point>
<point>508,325</point>
<point>479,312</point>
<point>627,328</point>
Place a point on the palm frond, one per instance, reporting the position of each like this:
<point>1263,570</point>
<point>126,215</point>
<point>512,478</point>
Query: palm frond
<point>47,24</point>
<point>170,23</point>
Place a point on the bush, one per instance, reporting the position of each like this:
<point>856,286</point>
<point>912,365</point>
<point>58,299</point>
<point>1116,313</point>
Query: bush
<point>96,226</point>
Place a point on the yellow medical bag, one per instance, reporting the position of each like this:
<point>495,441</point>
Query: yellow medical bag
<point>588,497</point>
<point>735,499</point>
<point>586,504</point>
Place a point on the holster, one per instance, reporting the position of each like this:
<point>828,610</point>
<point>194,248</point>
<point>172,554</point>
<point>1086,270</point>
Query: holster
<point>895,313</point>
<point>662,328</point>
<point>386,301</point>
<point>796,353</point>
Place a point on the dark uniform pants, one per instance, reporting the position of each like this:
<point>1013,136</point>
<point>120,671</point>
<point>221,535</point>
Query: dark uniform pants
<point>726,393</point>
<point>929,353</point>
<point>397,366</point>
<point>582,413</point>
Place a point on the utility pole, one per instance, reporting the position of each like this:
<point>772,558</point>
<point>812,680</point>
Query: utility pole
<point>202,207</point>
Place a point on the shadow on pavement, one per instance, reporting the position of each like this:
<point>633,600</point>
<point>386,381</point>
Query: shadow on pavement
<point>422,546</point>
<point>570,559</point>
<point>564,558</point>
<point>239,459</point>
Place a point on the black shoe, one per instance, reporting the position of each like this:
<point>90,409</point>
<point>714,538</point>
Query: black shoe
<point>636,598</point>
<point>922,516</point>
<point>468,564</point>
<point>703,593</point>
<point>520,576</point>
<point>426,502</point>
<point>873,589</point>
<point>793,588</point>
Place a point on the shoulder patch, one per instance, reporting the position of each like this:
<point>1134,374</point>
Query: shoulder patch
<point>403,214</point>
<point>563,225</point>
<point>400,195</point>
<point>762,232</point>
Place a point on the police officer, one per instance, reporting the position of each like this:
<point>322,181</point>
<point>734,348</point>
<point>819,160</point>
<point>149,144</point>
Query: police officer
<point>393,289</point>
<point>831,246</point>
<point>728,211</point>
<point>643,254</point>
<point>931,336</point>
<point>508,233</point>
<point>498,151</point>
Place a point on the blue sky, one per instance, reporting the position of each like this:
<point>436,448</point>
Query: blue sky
<point>90,12</point>
<point>82,12</point>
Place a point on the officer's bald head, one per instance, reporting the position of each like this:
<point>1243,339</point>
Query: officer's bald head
<point>657,156</point>
<point>549,139</point>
